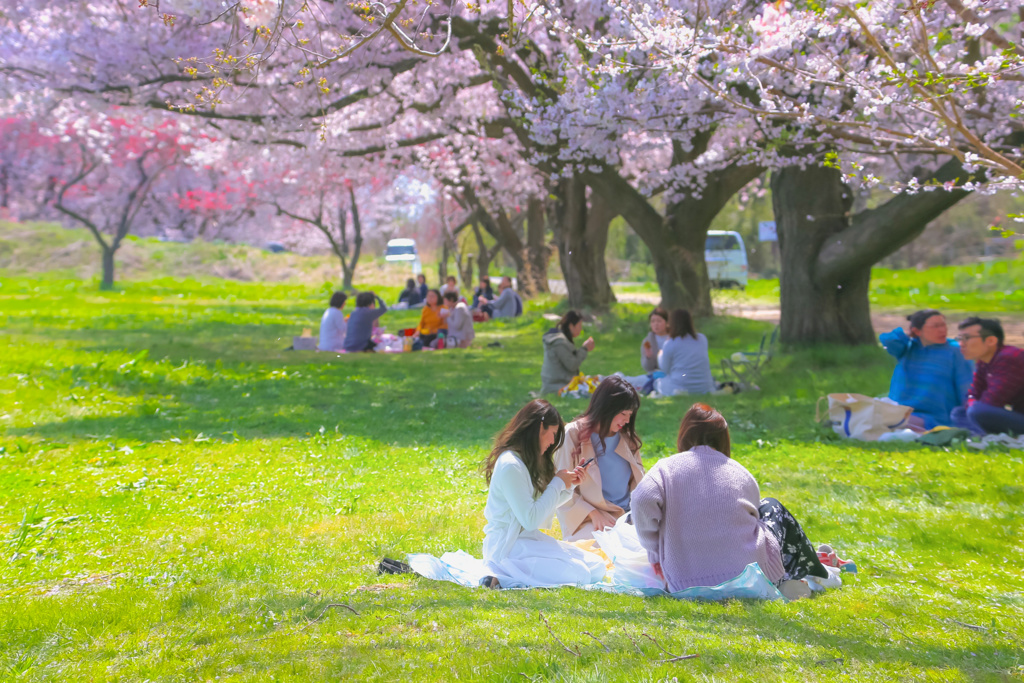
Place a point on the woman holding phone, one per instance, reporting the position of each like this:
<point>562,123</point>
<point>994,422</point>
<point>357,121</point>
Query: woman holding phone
<point>524,490</point>
<point>606,434</point>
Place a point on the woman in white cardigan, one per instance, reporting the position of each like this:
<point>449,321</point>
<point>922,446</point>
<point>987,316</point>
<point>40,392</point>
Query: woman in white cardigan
<point>524,490</point>
<point>607,433</point>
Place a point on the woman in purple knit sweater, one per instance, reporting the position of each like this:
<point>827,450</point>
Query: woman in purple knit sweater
<point>700,516</point>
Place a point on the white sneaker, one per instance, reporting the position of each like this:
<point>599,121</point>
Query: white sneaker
<point>834,580</point>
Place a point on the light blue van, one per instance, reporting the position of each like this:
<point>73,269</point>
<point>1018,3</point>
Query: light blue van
<point>726,257</point>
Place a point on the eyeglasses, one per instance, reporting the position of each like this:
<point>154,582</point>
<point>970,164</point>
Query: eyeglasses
<point>965,337</point>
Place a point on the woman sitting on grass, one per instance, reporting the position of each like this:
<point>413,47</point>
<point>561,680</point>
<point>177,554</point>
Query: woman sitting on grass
<point>655,340</point>
<point>460,322</point>
<point>562,359</point>
<point>931,374</point>
<point>607,432</point>
<point>433,319</point>
<point>333,325</point>
<point>524,490</point>
<point>410,296</point>
<point>684,359</point>
<point>359,336</point>
<point>700,516</point>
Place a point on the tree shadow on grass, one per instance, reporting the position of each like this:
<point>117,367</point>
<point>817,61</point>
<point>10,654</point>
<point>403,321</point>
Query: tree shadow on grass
<point>221,377</point>
<point>221,380</point>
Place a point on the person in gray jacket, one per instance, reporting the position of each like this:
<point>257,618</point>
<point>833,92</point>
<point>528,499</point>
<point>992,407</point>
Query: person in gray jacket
<point>562,359</point>
<point>460,322</point>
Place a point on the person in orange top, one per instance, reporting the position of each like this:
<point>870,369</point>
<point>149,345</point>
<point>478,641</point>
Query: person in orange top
<point>433,319</point>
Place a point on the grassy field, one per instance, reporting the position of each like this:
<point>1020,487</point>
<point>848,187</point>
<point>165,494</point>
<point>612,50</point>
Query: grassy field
<point>183,498</point>
<point>988,287</point>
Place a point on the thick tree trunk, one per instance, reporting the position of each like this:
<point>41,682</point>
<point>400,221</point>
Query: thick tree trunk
<point>827,254</point>
<point>811,205</point>
<point>483,257</point>
<point>582,238</point>
<point>108,268</point>
<point>676,240</point>
<point>442,265</point>
<point>536,253</point>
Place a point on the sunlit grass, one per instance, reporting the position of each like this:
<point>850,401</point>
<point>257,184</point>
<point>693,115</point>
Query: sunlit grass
<point>182,498</point>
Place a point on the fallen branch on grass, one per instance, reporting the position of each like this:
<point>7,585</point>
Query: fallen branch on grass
<point>551,631</point>
<point>671,657</point>
<point>335,604</point>
<point>588,633</point>
<point>973,627</point>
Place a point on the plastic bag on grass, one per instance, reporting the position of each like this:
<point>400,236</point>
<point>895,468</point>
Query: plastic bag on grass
<point>630,566</point>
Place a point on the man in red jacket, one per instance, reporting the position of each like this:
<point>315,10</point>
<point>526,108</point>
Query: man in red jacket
<point>995,402</point>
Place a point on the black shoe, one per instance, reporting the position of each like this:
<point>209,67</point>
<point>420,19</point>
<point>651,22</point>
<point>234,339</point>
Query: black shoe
<point>389,566</point>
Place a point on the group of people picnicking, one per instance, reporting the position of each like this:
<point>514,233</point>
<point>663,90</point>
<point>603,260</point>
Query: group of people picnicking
<point>934,374</point>
<point>699,514</point>
<point>674,355</point>
<point>973,382</point>
<point>446,318</point>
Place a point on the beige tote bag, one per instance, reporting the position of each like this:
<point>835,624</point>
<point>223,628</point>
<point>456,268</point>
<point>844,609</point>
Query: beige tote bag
<point>857,416</point>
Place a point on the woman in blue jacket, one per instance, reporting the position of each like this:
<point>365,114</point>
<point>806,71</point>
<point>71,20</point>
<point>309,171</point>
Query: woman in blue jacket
<point>931,374</point>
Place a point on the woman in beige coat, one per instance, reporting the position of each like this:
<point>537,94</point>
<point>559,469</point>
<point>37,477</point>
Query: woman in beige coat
<point>607,433</point>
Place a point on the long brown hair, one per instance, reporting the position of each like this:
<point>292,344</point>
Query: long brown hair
<point>522,436</point>
<point>613,395</point>
<point>704,426</point>
<point>680,324</point>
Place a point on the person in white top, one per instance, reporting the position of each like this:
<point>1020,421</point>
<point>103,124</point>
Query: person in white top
<point>333,325</point>
<point>450,285</point>
<point>524,491</point>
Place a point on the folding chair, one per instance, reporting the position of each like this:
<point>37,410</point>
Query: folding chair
<point>744,367</point>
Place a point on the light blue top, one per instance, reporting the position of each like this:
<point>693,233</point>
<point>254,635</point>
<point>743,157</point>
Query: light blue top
<point>931,379</point>
<point>332,330</point>
<point>615,471</point>
<point>686,365</point>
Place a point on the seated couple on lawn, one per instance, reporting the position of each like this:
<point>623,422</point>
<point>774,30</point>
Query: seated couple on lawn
<point>508,303</point>
<point>445,317</point>
<point>355,333</point>
<point>934,376</point>
<point>698,513</point>
<point>674,356</point>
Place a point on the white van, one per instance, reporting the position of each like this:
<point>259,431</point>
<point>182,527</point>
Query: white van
<point>726,256</point>
<point>404,249</point>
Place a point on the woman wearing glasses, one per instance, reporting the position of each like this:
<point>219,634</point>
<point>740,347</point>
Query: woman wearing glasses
<point>931,374</point>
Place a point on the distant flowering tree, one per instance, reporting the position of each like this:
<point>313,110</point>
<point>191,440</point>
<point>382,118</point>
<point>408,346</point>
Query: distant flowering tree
<point>106,169</point>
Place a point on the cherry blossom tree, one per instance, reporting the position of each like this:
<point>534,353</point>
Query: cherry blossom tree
<point>106,169</point>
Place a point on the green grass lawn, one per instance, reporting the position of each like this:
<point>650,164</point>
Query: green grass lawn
<point>988,287</point>
<point>182,498</point>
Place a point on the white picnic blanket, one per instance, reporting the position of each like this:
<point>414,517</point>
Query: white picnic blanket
<point>631,572</point>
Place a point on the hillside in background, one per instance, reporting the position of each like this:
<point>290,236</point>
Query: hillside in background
<point>37,248</point>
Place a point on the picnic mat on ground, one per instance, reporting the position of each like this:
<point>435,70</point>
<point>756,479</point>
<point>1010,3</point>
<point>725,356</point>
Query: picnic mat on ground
<point>462,568</point>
